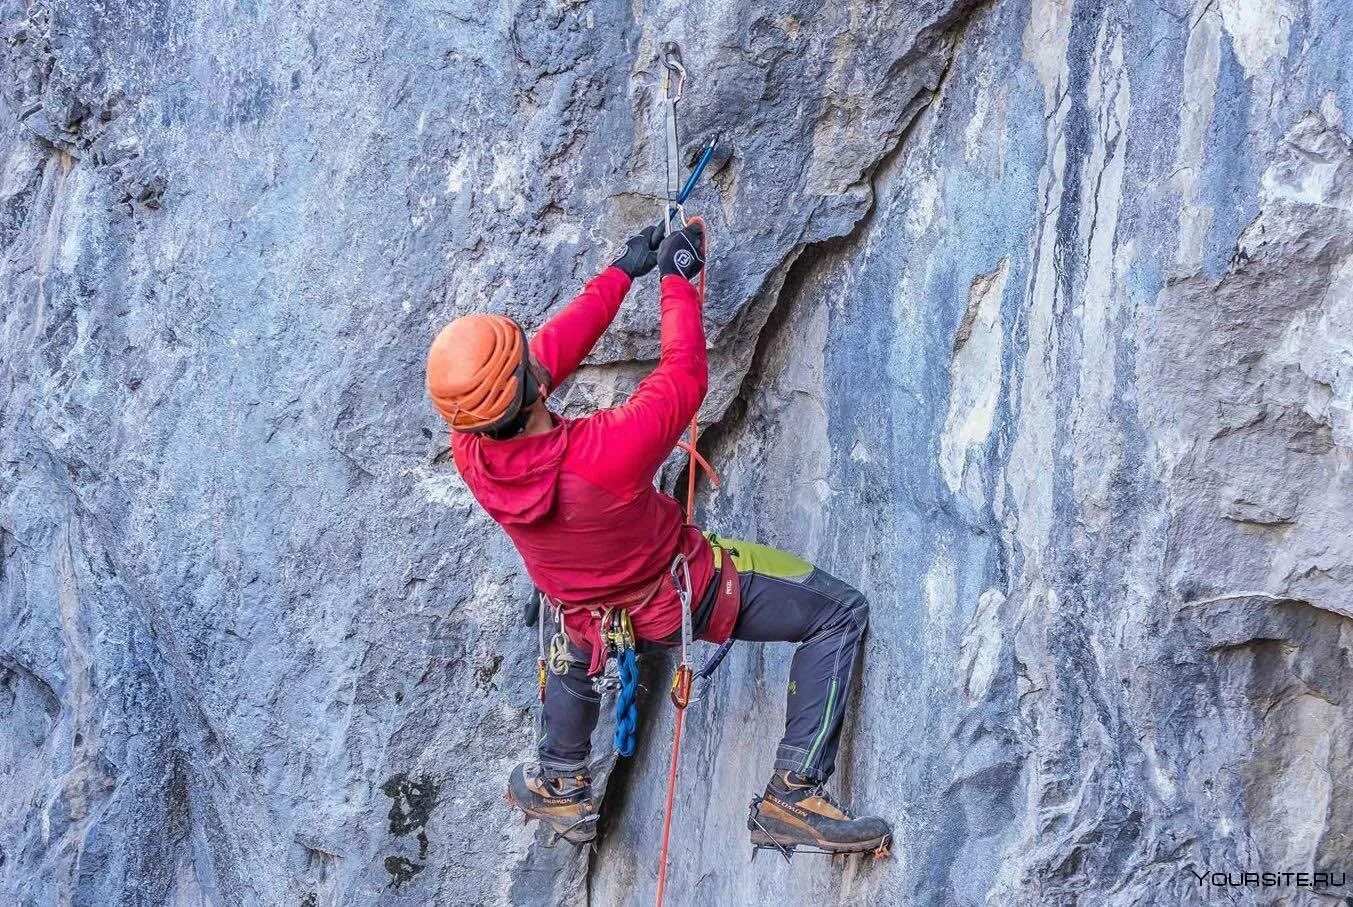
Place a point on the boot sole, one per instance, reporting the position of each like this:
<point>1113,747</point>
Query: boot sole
<point>573,837</point>
<point>761,839</point>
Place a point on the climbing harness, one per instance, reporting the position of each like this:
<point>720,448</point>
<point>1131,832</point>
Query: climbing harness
<point>620,675</point>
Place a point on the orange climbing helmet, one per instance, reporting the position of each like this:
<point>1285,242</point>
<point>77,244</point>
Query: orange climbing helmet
<point>478,375</point>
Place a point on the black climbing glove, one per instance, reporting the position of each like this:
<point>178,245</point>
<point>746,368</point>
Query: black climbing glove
<point>640,253</point>
<point>680,253</point>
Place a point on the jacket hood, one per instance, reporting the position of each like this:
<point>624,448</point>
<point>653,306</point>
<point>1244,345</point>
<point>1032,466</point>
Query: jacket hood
<point>515,480</point>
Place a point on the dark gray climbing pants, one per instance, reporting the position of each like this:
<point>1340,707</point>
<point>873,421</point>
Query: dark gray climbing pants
<point>784,599</point>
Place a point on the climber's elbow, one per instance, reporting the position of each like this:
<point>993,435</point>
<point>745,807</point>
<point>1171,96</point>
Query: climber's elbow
<point>701,381</point>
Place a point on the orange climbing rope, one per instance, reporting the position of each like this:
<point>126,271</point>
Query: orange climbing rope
<point>681,683</point>
<point>667,810</point>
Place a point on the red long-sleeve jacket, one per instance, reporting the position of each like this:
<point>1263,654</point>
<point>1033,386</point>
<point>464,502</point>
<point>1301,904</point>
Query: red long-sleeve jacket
<point>578,501</point>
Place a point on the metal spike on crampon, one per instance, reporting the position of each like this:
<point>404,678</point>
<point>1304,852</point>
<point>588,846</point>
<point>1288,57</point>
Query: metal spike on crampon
<point>882,852</point>
<point>562,834</point>
<point>753,815</point>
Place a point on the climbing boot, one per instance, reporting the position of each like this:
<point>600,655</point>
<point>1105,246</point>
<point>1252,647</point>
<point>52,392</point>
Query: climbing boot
<point>796,812</point>
<point>564,804</point>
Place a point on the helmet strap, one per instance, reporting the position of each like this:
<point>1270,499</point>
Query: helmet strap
<point>517,423</point>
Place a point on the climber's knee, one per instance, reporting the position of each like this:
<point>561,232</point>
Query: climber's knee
<point>846,610</point>
<point>858,606</point>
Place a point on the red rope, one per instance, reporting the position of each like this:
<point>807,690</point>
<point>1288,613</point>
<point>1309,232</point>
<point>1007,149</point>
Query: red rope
<point>671,795</point>
<point>692,462</point>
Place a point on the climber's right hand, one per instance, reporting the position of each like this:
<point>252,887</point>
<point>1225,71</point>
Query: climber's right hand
<point>682,252</point>
<point>639,255</point>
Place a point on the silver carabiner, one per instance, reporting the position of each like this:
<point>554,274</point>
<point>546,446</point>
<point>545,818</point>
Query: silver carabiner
<point>681,578</point>
<point>671,60</point>
<point>673,87</point>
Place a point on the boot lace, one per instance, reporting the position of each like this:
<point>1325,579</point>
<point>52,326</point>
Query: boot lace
<point>819,789</point>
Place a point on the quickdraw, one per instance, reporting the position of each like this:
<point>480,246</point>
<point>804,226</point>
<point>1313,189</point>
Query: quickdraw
<point>673,89</point>
<point>674,217</point>
<point>681,681</point>
<point>554,658</point>
<point>540,635</point>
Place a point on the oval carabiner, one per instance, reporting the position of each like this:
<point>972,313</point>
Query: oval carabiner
<point>680,694</point>
<point>671,60</point>
<point>671,56</point>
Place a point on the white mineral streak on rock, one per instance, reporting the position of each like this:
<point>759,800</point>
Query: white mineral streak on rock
<point>977,134</point>
<point>940,592</point>
<point>924,204</point>
<point>442,487</point>
<point>1201,60</point>
<point>974,379</point>
<point>804,461</point>
<point>1045,42</point>
<point>1108,95</point>
<point>568,233</point>
<point>505,183</point>
<point>1258,30</point>
<point>1028,469</point>
<point>1331,110</point>
<point>456,173</point>
<point>982,646</point>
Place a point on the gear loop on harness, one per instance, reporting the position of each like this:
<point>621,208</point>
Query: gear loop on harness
<point>621,676</point>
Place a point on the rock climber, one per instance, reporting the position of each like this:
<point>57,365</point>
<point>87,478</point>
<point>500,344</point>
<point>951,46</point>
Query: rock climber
<point>576,497</point>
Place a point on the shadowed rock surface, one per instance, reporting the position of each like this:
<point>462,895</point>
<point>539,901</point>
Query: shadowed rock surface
<point>1033,318</point>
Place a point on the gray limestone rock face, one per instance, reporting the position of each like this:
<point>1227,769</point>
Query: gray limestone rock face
<point>1033,319</point>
